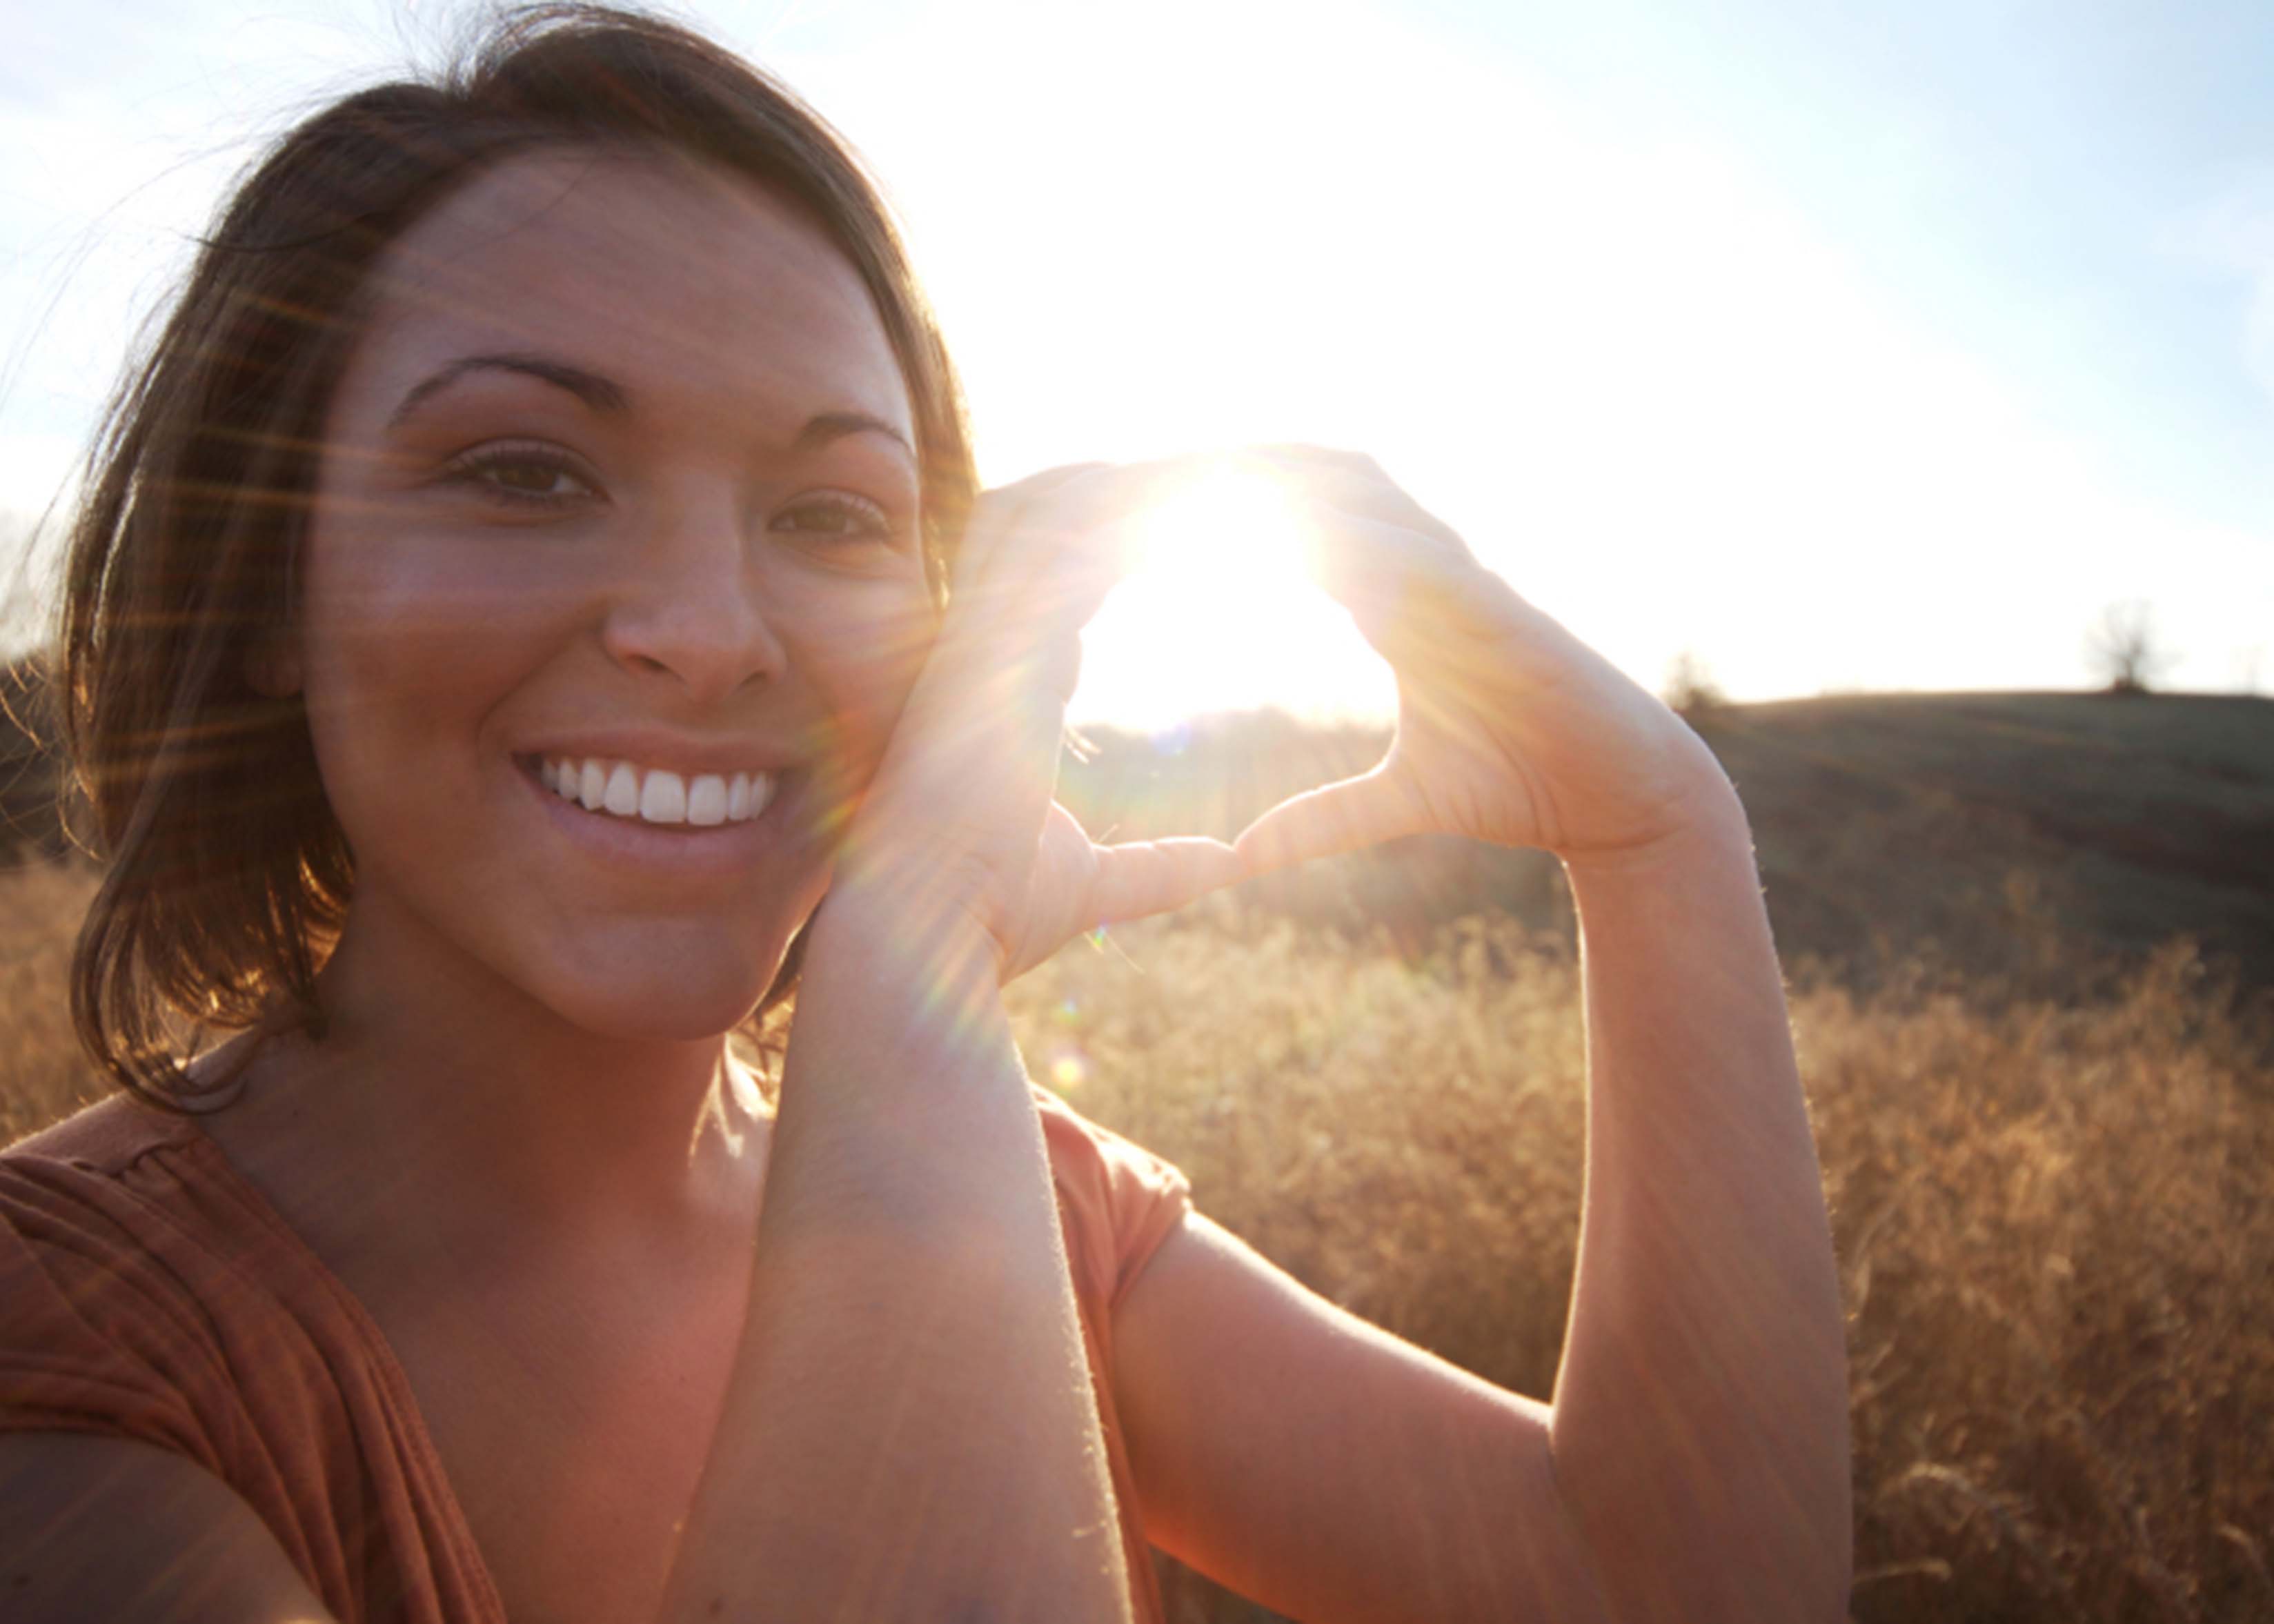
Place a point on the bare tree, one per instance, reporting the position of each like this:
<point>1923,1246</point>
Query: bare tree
<point>2126,649</point>
<point>1690,691</point>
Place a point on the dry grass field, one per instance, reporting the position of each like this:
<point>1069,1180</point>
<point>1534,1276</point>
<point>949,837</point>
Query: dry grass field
<point>2051,1218</point>
<point>2051,1211</point>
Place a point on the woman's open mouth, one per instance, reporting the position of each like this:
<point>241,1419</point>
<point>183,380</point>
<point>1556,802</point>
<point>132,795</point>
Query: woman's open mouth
<point>627,791</point>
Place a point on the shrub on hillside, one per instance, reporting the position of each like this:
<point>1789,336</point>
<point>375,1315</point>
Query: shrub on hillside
<point>2124,651</point>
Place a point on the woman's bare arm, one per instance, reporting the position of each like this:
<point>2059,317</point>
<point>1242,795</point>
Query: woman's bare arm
<point>93,1527</point>
<point>910,1433</point>
<point>1694,1464</point>
<point>1701,1427</point>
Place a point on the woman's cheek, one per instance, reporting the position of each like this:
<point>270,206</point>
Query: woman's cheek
<point>863,652</point>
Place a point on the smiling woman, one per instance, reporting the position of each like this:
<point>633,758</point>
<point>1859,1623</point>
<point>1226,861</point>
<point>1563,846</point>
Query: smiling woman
<point>539,535</point>
<point>533,615</point>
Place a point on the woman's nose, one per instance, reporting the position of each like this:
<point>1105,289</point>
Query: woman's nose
<point>693,609</point>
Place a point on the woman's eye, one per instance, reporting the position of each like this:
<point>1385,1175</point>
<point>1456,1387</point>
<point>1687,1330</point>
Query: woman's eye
<point>837,516</point>
<point>523,476</point>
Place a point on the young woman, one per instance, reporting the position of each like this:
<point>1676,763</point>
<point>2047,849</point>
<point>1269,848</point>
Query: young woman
<point>533,611</point>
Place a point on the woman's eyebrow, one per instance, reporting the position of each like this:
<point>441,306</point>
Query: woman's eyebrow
<point>606,395</point>
<point>599,393</point>
<point>835,425</point>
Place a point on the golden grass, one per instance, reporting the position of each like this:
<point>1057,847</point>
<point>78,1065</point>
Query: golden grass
<point>43,1074</point>
<point>2051,1216</point>
<point>2053,1221</point>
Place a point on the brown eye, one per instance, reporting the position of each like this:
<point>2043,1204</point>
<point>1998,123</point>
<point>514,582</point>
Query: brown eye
<point>837,516</point>
<point>524,475</point>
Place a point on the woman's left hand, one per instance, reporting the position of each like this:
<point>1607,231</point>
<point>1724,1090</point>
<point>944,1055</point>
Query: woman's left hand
<point>1509,729</point>
<point>960,828</point>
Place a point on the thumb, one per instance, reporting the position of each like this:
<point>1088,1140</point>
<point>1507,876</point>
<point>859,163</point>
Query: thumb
<point>1143,877</point>
<point>1346,816</point>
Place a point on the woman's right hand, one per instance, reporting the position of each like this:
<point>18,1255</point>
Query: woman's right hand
<point>960,831</point>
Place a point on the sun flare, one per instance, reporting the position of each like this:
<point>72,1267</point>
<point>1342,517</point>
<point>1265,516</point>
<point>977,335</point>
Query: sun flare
<point>1220,614</point>
<point>1233,531</point>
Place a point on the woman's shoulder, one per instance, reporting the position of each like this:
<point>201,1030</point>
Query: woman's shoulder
<point>99,1184</point>
<point>1118,1200</point>
<point>145,1164</point>
<point>108,1137</point>
<point>128,1213</point>
<point>148,1293</point>
<point>1086,1152</point>
<point>104,1210</point>
<point>102,1325</point>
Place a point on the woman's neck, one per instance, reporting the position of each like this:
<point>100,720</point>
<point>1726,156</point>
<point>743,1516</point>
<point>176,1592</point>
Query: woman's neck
<point>442,1100</point>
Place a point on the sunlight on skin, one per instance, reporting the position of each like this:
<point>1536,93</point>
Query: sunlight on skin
<point>1221,613</point>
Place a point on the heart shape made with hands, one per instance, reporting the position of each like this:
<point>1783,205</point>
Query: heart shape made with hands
<point>1300,578</point>
<point>1509,729</point>
<point>1227,561</point>
<point>1072,573</point>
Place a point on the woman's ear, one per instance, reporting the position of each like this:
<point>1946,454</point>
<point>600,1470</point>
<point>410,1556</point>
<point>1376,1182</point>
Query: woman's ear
<point>272,665</point>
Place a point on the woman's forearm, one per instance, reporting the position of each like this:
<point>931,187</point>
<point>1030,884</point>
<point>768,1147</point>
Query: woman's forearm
<point>1700,1425</point>
<point>910,1431</point>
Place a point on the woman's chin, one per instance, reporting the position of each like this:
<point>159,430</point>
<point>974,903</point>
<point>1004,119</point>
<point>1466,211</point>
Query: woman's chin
<point>658,997</point>
<point>679,1014</point>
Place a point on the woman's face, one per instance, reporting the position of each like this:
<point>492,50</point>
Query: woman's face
<point>617,497</point>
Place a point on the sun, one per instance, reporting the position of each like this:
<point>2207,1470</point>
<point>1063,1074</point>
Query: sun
<point>1233,530</point>
<point>1221,613</point>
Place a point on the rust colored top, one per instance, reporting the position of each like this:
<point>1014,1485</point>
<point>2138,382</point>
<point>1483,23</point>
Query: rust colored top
<point>148,1291</point>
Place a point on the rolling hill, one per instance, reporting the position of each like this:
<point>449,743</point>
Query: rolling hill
<point>1998,827</point>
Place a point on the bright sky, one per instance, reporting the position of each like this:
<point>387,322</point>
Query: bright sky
<point>1848,347</point>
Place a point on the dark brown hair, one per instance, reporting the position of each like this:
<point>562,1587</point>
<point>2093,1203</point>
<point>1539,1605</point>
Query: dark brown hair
<point>228,876</point>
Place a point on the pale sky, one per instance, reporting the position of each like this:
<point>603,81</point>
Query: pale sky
<point>1848,347</point>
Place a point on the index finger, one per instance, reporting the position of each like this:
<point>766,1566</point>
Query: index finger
<point>1352,481</point>
<point>1404,588</point>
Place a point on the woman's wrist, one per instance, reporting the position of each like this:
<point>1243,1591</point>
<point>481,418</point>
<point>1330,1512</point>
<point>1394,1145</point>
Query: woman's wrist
<point>899,1031</point>
<point>903,929</point>
<point>1712,828</point>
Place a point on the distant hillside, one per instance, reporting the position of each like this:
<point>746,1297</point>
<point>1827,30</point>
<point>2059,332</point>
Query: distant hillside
<point>2000,827</point>
<point>2120,820</point>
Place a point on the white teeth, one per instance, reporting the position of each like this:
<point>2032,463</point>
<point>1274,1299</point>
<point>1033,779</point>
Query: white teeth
<point>655,795</point>
<point>663,798</point>
<point>622,797</point>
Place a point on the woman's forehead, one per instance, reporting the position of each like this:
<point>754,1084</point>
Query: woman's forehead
<point>673,276</point>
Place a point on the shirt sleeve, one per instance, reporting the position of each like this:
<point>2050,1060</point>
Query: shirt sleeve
<point>1118,1201</point>
<point>91,1338</point>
